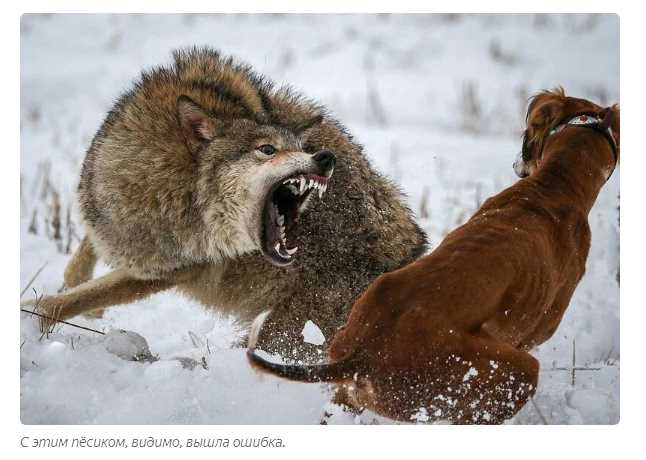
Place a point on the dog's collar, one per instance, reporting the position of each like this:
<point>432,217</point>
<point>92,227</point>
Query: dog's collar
<point>592,121</point>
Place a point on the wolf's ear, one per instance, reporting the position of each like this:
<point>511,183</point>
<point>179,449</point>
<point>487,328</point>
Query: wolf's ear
<point>198,126</point>
<point>304,125</point>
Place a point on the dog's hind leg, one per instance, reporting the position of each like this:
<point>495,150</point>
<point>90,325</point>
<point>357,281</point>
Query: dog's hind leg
<point>117,287</point>
<point>81,266</point>
<point>342,399</point>
<point>493,380</point>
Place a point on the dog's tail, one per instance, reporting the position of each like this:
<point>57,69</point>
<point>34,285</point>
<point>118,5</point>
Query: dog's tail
<point>333,372</point>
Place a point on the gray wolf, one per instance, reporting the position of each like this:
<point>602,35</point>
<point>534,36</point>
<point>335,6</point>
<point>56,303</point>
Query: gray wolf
<point>207,178</point>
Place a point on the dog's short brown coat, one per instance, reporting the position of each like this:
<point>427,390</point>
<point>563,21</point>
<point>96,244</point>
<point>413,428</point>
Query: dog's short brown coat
<point>446,337</point>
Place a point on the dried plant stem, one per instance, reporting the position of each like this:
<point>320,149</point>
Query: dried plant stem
<point>60,321</point>
<point>33,278</point>
<point>538,411</point>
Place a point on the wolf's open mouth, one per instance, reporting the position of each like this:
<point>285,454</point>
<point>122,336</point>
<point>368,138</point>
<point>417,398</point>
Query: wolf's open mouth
<point>282,209</point>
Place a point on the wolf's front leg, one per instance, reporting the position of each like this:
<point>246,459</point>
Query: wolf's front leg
<point>81,266</point>
<point>117,287</point>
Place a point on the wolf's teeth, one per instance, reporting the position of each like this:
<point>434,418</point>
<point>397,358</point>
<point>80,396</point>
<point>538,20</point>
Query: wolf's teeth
<point>320,192</point>
<point>280,220</point>
<point>302,186</point>
<point>324,187</point>
<point>292,251</point>
<point>282,251</point>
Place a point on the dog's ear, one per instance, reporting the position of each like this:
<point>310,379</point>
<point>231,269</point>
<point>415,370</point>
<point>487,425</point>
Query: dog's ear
<point>196,123</point>
<point>545,111</point>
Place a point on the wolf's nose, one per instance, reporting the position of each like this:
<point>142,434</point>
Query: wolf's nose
<point>325,159</point>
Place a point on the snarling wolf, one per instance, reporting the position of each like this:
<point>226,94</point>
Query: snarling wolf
<point>447,337</point>
<point>206,177</point>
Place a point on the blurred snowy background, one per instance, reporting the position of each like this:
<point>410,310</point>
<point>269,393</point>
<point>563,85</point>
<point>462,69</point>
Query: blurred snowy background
<point>437,100</point>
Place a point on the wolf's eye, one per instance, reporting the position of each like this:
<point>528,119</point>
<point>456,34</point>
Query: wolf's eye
<point>267,149</point>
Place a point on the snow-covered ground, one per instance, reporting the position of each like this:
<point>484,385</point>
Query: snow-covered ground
<point>438,102</point>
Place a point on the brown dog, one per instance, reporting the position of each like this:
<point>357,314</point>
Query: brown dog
<point>446,337</point>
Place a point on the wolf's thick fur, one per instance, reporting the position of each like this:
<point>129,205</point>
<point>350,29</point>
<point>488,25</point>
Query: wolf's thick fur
<point>170,195</point>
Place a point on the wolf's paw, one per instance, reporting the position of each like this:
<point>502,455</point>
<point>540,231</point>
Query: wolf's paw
<point>94,314</point>
<point>49,310</point>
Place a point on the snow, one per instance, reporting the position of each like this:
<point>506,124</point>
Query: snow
<point>437,102</point>
<point>472,372</point>
<point>128,345</point>
<point>312,334</point>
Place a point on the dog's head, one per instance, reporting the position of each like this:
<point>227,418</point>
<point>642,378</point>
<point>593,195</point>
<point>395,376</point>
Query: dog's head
<point>254,180</point>
<point>546,111</point>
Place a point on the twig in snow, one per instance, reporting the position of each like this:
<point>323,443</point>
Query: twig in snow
<point>197,342</point>
<point>32,225</point>
<point>538,411</point>
<point>574,368</point>
<point>374,103</point>
<point>23,205</point>
<point>70,230</point>
<point>497,54</point>
<point>47,166</point>
<point>375,106</point>
<point>471,107</point>
<point>610,361</point>
<point>423,207</point>
<point>394,161</point>
<point>478,195</point>
<point>33,278</point>
<point>61,321</point>
<point>56,219</point>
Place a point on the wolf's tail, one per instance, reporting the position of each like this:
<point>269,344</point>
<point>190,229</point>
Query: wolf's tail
<point>333,372</point>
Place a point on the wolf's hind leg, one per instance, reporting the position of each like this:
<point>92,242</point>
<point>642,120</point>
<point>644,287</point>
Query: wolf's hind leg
<point>81,266</point>
<point>117,287</point>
